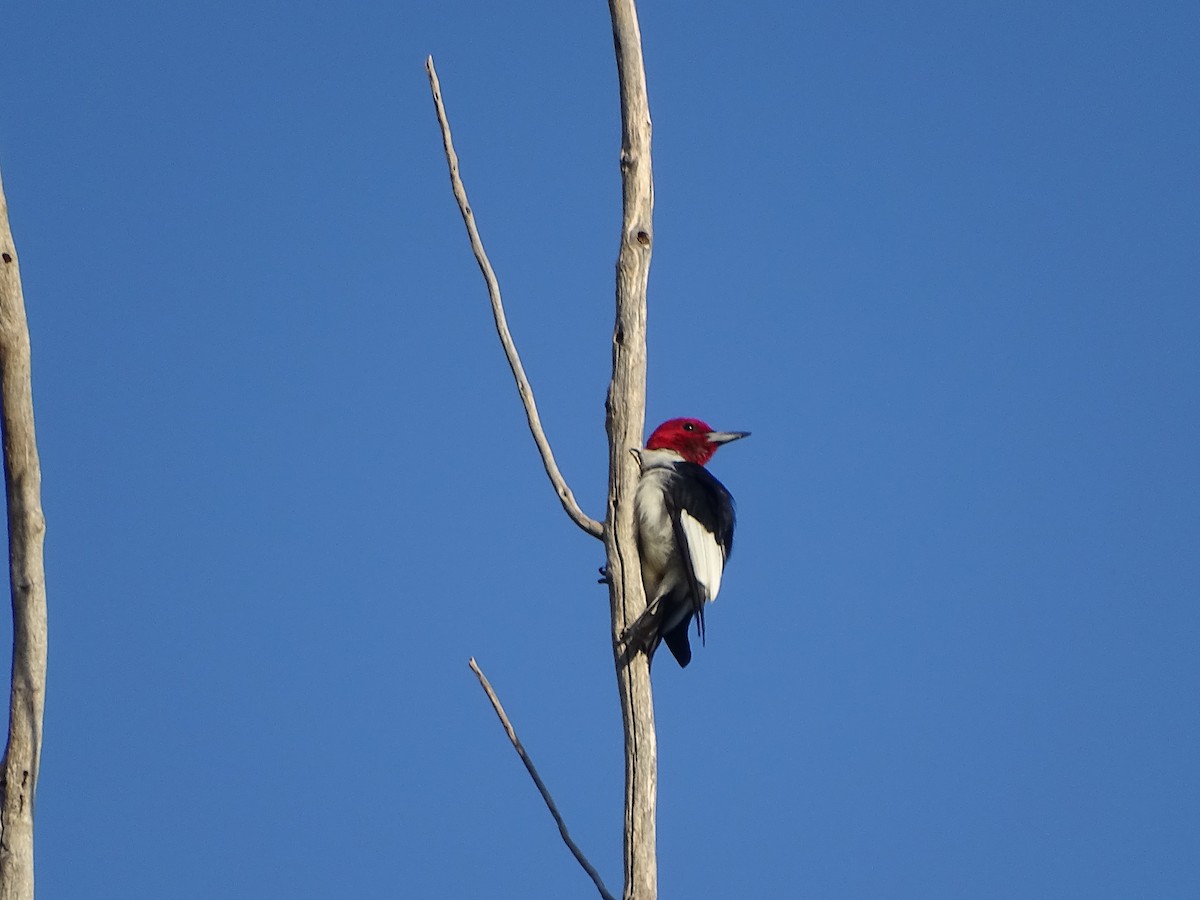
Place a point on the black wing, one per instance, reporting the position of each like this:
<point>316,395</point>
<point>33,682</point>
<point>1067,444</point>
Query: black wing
<point>698,493</point>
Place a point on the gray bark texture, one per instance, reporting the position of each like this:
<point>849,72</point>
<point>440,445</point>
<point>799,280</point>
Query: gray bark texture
<point>26,530</point>
<point>625,421</point>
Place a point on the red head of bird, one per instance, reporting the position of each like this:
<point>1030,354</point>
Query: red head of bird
<point>692,439</point>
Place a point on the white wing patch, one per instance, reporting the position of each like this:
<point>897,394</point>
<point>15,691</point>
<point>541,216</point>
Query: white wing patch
<point>708,560</point>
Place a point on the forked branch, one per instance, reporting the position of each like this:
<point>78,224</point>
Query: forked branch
<point>541,785</point>
<point>624,420</point>
<point>578,516</point>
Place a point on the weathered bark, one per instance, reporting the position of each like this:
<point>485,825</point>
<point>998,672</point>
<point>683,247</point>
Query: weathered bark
<point>625,421</point>
<point>26,529</point>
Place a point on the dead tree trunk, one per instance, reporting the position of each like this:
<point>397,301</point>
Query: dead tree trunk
<point>626,416</point>
<point>26,529</point>
<point>624,420</point>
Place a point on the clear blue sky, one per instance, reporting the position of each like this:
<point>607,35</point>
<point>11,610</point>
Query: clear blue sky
<point>941,260</point>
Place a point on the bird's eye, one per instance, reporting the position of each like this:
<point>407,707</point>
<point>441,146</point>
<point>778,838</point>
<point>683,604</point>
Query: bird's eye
<point>688,426</point>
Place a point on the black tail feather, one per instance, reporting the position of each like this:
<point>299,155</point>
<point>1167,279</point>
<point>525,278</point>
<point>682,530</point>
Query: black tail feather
<point>677,642</point>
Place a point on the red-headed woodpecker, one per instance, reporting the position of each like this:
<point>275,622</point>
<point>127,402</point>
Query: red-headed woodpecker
<point>685,522</point>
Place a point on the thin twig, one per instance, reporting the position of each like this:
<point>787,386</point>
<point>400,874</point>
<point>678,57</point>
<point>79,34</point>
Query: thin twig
<point>562,826</point>
<point>578,516</point>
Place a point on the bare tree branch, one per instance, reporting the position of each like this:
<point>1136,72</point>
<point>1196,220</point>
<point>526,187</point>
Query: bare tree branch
<point>27,576</point>
<point>541,786</point>
<point>626,415</point>
<point>578,516</point>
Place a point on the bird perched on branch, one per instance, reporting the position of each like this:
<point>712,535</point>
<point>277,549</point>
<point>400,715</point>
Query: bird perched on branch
<point>685,520</point>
